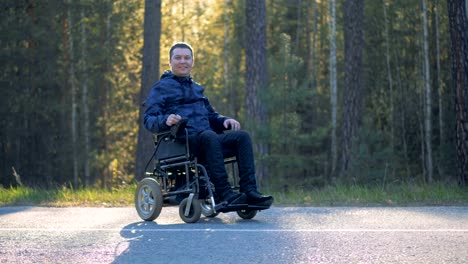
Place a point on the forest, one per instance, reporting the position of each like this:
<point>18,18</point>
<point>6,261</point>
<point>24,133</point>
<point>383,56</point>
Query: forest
<point>366,92</point>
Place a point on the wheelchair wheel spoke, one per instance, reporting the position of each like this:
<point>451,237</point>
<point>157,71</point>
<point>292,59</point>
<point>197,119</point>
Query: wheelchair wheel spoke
<point>144,192</point>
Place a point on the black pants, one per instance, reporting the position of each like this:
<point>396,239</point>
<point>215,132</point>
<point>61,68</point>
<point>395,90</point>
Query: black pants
<point>208,148</point>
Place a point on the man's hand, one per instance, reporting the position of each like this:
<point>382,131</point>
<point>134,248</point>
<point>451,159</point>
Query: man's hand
<point>173,119</point>
<point>233,123</point>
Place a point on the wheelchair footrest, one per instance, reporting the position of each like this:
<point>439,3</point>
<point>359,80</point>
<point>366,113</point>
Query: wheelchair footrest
<point>223,208</point>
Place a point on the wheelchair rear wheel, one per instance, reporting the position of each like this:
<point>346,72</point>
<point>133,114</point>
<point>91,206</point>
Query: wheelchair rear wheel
<point>246,213</point>
<point>148,199</point>
<point>194,213</point>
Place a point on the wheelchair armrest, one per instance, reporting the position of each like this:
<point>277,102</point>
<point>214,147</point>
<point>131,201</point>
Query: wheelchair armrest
<point>176,130</point>
<point>158,136</point>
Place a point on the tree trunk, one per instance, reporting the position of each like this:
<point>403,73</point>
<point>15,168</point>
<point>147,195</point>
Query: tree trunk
<point>150,73</point>
<point>312,54</point>
<point>389,77</point>
<point>226,55</point>
<point>458,23</point>
<point>422,138</point>
<point>440,89</point>
<point>286,50</point>
<point>84,100</point>
<point>74,88</point>
<point>402,115</point>
<point>428,99</point>
<point>299,18</point>
<point>354,43</point>
<point>333,84</point>
<point>106,177</point>
<point>256,75</point>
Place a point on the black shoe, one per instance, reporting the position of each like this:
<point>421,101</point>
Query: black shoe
<point>256,198</point>
<point>233,198</point>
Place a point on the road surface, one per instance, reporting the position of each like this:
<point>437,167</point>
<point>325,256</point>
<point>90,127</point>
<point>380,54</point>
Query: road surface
<point>278,235</point>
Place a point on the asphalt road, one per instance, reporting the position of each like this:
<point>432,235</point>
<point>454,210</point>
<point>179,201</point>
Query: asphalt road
<point>278,235</point>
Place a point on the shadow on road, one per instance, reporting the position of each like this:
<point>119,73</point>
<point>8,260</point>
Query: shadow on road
<point>13,209</point>
<point>203,242</point>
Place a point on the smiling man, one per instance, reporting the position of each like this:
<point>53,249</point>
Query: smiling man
<point>181,60</point>
<point>177,97</point>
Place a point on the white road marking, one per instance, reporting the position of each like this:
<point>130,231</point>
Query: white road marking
<point>236,230</point>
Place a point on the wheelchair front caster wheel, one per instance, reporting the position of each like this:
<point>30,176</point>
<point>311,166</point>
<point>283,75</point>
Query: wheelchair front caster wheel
<point>148,199</point>
<point>207,209</point>
<point>193,214</point>
<point>246,213</point>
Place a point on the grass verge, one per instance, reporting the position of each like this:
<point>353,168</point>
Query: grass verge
<point>398,195</point>
<point>65,197</point>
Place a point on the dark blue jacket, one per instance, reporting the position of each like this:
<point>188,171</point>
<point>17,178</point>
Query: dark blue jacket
<point>182,96</point>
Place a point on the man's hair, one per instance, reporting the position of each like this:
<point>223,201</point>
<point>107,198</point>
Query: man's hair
<point>182,45</point>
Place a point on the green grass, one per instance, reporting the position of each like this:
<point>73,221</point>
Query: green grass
<point>64,197</point>
<point>398,195</point>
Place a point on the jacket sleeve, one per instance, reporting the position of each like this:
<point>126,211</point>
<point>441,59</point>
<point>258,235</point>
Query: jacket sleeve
<point>155,117</point>
<point>216,119</point>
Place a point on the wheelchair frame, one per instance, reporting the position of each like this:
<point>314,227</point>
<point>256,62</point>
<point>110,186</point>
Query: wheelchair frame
<point>173,163</point>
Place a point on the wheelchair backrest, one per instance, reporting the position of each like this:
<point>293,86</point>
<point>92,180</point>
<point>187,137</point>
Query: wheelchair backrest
<point>169,148</point>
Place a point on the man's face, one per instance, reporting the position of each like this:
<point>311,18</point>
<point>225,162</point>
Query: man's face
<point>181,62</point>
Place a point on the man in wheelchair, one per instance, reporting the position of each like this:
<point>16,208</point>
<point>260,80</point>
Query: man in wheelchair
<point>176,97</point>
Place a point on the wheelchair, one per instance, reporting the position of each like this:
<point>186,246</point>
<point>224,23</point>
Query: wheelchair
<point>178,178</point>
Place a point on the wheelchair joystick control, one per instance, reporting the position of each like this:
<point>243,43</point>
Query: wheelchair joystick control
<point>177,129</point>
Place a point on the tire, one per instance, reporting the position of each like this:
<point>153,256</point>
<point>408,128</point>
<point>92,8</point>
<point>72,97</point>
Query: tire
<point>195,211</point>
<point>148,199</point>
<point>247,214</point>
<point>207,209</point>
